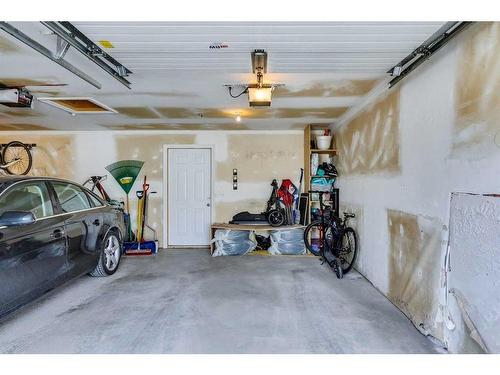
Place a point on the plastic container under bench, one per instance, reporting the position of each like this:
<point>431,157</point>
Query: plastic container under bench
<point>287,242</point>
<point>233,242</point>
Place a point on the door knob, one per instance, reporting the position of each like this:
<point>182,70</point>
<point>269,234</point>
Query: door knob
<point>208,204</point>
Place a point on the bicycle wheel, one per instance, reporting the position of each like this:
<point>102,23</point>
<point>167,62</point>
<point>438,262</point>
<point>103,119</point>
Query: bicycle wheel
<point>17,158</point>
<point>314,246</point>
<point>348,249</point>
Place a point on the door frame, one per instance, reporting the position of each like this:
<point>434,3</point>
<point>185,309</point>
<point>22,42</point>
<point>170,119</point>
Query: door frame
<point>166,206</point>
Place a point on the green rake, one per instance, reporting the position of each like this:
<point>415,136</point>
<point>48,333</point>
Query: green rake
<point>125,173</point>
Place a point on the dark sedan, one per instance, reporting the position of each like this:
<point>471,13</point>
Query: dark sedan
<point>51,231</point>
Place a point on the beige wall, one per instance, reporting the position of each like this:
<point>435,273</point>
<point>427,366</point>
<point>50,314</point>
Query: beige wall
<point>259,157</point>
<point>53,155</point>
<point>400,159</point>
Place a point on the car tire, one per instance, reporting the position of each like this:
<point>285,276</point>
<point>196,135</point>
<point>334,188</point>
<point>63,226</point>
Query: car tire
<point>110,256</point>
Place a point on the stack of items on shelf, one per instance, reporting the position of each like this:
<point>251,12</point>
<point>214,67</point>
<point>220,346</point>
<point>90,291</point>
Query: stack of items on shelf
<point>320,172</point>
<point>324,177</point>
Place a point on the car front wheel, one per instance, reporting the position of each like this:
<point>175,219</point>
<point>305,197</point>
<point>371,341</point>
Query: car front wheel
<point>110,256</point>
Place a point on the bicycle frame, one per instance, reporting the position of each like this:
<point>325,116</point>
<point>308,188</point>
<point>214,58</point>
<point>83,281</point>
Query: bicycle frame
<point>3,166</point>
<point>96,181</point>
<point>337,224</point>
<point>323,221</point>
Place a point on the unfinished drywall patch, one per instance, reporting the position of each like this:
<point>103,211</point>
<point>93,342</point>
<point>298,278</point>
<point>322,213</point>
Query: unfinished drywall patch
<point>17,127</point>
<point>237,126</point>
<point>136,127</point>
<point>233,126</point>
<point>209,113</point>
<point>53,155</point>
<point>22,82</point>
<point>477,123</point>
<point>262,157</point>
<point>137,112</point>
<point>415,256</point>
<point>149,148</point>
<point>177,112</point>
<point>330,89</point>
<point>25,112</point>
<point>474,276</point>
<point>164,94</point>
<point>142,126</point>
<point>47,92</point>
<point>298,126</point>
<point>325,113</point>
<point>261,113</point>
<point>370,142</point>
<point>7,46</point>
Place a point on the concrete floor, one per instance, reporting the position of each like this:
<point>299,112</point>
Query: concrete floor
<point>184,301</point>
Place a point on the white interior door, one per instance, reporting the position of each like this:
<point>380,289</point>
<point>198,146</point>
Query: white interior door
<point>189,196</point>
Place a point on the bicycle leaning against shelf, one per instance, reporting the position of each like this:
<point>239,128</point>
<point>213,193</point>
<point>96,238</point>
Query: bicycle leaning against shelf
<point>335,242</point>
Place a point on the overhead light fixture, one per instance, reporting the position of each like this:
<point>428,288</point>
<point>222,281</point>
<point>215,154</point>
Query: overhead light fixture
<point>238,117</point>
<point>259,94</point>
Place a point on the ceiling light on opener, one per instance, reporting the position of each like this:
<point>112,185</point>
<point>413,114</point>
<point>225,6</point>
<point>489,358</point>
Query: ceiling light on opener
<point>259,94</point>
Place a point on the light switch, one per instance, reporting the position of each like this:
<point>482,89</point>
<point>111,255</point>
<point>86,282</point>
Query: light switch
<point>235,179</point>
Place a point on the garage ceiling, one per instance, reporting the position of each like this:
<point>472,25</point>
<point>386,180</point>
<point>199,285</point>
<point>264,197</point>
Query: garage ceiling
<point>177,80</point>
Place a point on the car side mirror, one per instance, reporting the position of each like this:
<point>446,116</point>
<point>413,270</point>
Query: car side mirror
<point>15,218</point>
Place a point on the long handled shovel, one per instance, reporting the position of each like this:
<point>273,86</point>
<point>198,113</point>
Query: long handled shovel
<point>145,189</point>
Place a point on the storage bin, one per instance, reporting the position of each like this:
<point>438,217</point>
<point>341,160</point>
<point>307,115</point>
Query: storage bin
<point>323,142</point>
<point>233,242</point>
<point>287,242</point>
<point>288,235</point>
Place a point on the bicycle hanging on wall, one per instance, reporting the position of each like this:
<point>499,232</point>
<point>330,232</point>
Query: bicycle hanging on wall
<point>16,158</point>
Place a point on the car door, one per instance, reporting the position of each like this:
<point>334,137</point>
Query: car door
<point>82,224</point>
<point>32,256</point>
